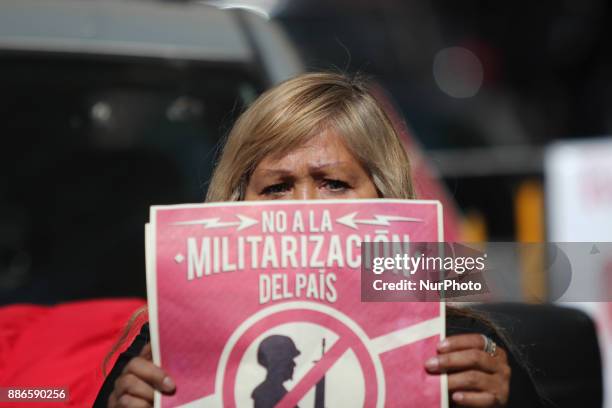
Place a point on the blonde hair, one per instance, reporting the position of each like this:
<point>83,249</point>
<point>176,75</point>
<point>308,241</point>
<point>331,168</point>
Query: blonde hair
<point>288,115</point>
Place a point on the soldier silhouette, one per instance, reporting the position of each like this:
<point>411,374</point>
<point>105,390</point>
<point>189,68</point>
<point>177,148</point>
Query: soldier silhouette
<point>275,354</point>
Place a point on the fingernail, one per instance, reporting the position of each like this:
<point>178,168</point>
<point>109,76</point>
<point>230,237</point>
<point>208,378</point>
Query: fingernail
<point>432,363</point>
<point>168,383</point>
<point>443,345</point>
<point>458,396</point>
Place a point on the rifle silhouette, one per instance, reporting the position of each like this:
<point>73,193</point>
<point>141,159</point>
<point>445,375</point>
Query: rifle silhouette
<point>320,387</point>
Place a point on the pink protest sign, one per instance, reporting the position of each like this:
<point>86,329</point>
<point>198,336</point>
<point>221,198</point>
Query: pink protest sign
<point>257,304</point>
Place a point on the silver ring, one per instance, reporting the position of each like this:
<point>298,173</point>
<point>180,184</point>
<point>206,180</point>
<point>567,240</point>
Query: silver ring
<point>489,347</point>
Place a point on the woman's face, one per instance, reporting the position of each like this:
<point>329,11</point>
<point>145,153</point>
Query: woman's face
<point>323,168</point>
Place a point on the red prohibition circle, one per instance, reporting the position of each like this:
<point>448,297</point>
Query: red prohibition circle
<point>297,316</point>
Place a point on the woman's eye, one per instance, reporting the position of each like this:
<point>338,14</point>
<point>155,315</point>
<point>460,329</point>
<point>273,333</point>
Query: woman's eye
<point>336,185</point>
<point>276,189</point>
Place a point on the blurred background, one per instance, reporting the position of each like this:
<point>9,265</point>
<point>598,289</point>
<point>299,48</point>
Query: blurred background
<point>108,107</point>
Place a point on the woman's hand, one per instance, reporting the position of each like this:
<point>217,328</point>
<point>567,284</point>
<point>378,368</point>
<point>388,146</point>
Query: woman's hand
<point>475,378</point>
<point>136,384</point>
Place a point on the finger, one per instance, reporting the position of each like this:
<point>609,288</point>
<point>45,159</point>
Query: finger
<point>112,400</point>
<point>126,400</point>
<point>146,352</point>
<point>130,384</point>
<point>150,373</point>
<point>474,399</point>
<point>461,342</point>
<point>471,359</point>
<point>466,342</point>
<point>471,380</point>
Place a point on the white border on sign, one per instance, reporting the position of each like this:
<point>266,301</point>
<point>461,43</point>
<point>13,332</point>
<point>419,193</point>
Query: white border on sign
<point>151,271</point>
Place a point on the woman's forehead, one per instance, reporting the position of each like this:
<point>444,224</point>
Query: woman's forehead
<point>323,150</point>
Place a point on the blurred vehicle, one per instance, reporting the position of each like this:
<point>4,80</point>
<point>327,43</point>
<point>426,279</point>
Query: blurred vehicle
<point>108,107</point>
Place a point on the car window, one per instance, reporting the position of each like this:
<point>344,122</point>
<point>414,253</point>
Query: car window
<point>87,146</point>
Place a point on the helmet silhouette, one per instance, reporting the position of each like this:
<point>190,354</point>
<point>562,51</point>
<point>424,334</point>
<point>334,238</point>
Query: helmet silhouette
<point>276,349</point>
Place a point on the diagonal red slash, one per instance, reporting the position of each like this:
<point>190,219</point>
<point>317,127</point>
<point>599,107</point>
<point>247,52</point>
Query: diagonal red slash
<point>313,376</point>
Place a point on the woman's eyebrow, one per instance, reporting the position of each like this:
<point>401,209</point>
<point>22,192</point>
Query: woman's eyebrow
<point>322,166</point>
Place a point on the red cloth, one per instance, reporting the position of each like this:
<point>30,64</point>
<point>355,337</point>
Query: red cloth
<point>62,346</point>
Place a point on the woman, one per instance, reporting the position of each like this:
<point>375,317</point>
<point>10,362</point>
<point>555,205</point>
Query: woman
<point>319,136</point>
